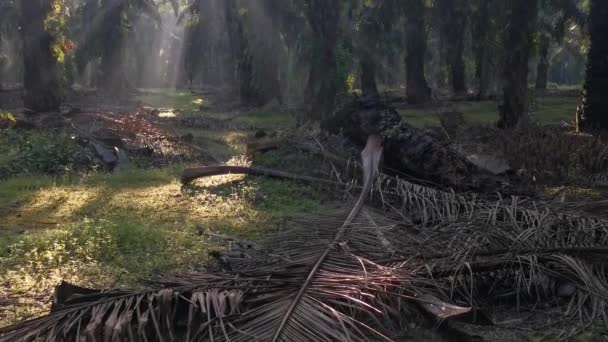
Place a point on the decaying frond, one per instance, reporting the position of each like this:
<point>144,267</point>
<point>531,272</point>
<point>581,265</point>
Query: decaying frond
<point>529,248</point>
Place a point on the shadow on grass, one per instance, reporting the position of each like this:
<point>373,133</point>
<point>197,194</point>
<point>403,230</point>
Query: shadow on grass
<point>122,228</point>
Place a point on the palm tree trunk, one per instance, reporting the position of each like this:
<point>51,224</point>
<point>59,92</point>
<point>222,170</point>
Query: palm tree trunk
<point>417,89</point>
<point>368,75</point>
<point>518,44</point>
<point>42,69</point>
<point>454,14</point>
<point>323,17</point>
<point>241,54</point>
<point>595,101</point>
<point>480,31</point>
<point>542,69</point>
<point>113,79</point>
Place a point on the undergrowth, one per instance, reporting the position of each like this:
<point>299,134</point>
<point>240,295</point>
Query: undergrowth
<point>55,152</point>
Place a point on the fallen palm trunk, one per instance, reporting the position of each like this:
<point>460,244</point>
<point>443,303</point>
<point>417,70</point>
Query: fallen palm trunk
<point>406,148</point>
<point>274,145</point>
<point>188,175</point>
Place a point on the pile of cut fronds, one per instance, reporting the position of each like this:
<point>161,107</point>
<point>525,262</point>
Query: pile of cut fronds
<point>140,133</point>
<point>548,154</point>
<point>361,272</point>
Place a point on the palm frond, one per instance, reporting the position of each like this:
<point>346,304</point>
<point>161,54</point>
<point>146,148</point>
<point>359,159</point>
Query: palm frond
<point>311,290</point>
<point>471,243</point>
<point>357,271</point>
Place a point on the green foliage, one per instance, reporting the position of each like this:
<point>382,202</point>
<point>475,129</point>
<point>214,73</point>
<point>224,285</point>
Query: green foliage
<point>51,152</point>
<point>6,119</point>
<point>54,24</point>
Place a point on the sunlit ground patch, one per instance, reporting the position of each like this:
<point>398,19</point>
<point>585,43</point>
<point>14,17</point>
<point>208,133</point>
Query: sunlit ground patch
<point>167,113</point>
<point>121,228</point>
<point>179,99</point>
<point>199,101</point>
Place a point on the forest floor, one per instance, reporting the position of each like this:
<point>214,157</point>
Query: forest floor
<point>100,230</point>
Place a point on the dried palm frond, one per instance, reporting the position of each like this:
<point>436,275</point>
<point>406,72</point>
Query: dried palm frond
<point>478,248</point>
<point>317,287</point>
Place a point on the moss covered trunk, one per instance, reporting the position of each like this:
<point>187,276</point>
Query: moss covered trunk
<point>43,87</point>
<point>595,101</point>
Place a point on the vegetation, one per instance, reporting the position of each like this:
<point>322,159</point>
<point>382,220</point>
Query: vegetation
<point>399,156</point>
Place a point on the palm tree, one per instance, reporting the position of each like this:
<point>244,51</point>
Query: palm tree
<point>453,16</point>
<point>8,25</point>
<point>324,20</point>
<point>518,43</point>
<point>553,19</point>
<point>43,54</point>
<point>105,35</point>
<point>595,100</point>
<point>417,89</point>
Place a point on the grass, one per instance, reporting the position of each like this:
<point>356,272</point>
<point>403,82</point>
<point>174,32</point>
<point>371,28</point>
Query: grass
<point>548,110</point>
<point>266,120</point>
<point>177,99</point>
<point>101,229</point>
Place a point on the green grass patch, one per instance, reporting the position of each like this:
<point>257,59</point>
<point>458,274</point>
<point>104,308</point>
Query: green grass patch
<point>100,229</point>
<point>547,110</point>
<point>555,109</point>
<point>178,99</point>
<point>266,120</point>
